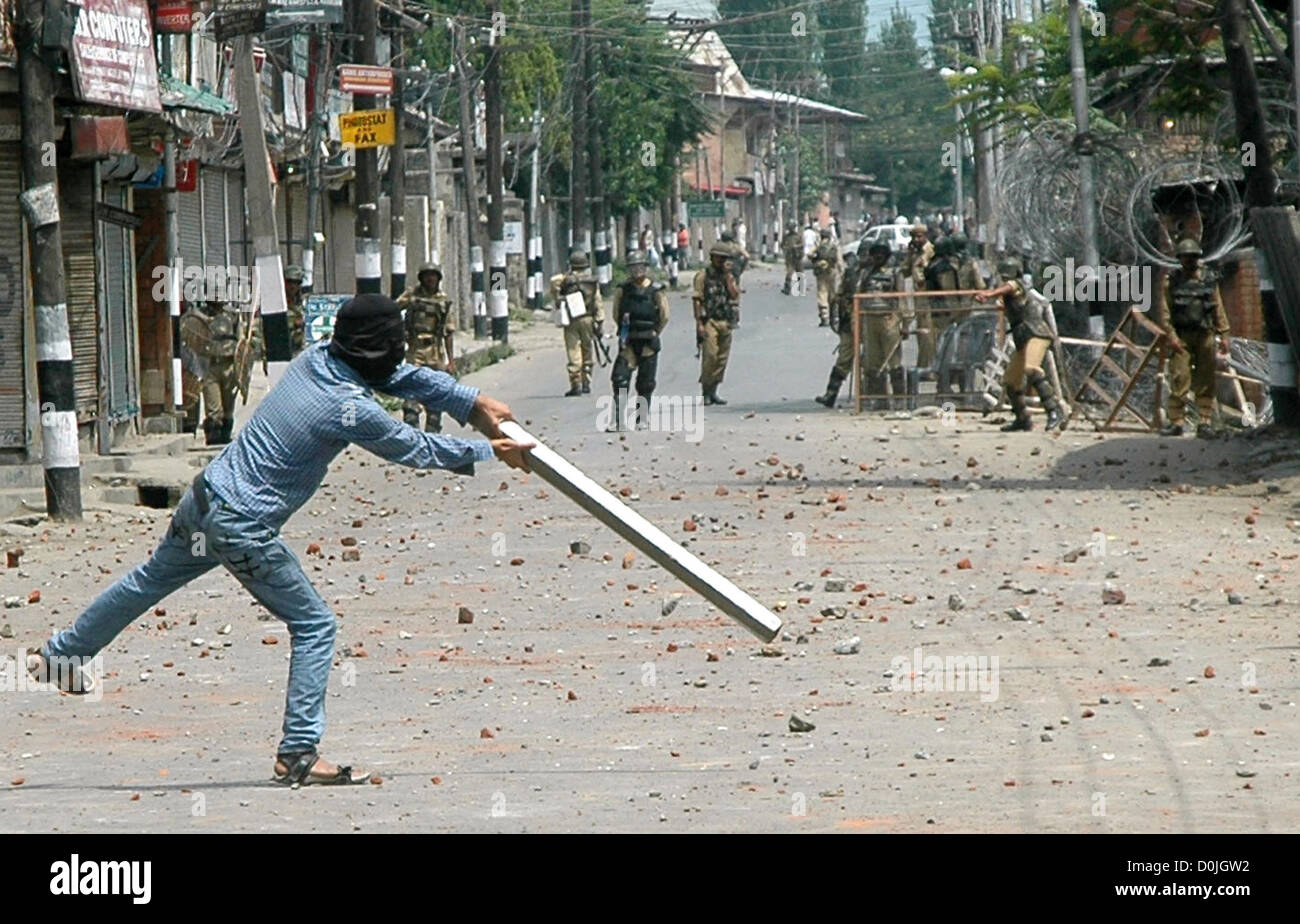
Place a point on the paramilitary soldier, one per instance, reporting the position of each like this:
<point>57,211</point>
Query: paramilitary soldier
<point>216,337</point>
<point>827,267</point>
<point>969,275</point>
<point>941,275</point>
<point>1191,313</point>
<point>792,250</point>
<point>870,275</point>
<point>916,258</point>
<point>430,337</point>
<point>293,304</point>
<point>1032,338</point>
<point>640,315</point>
<point>716,299</point>
<point>577,296</point>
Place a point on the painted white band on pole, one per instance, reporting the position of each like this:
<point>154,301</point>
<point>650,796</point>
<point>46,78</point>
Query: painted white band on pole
<point>178,390</point>
<point>53,342</point>
<point>270,280</point>
<point>59,439</point>
<point>308,268</point>
<point>369,265</point>
<point>1281,366</point>
<point>399,259</point>
<point>500,303</point>
<point>174,289</point>
<point>639,531</point>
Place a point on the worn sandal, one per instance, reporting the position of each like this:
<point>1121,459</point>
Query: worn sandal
<point>300,765</point>
<point>68,675</point>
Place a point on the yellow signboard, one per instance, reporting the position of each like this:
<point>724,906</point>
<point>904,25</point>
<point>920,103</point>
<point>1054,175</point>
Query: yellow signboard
<point>368,128</point>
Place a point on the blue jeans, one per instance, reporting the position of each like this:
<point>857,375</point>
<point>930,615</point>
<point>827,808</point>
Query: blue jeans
<point>259,559</point>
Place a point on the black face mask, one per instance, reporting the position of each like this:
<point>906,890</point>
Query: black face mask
<point>374,344</point>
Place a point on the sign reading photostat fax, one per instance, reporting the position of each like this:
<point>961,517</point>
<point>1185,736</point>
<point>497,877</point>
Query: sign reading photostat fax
<point>368,128</point>
<point>112,55</point>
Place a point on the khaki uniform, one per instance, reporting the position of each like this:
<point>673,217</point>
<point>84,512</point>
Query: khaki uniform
<point>940,276</point>
<point>211,340</point>
<point>1191,312</point>
<point>883,336</point>
<point>715,293</point>
<point>581,331</point>
<point>968,277</point>
<point>915,260</point>
<point>828,265</point>
<point>792,250</point>
<point>430,324</point>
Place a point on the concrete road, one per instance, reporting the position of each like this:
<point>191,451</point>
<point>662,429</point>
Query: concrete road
<point>993,688</point>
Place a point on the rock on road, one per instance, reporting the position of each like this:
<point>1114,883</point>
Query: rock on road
<point>588,691</point>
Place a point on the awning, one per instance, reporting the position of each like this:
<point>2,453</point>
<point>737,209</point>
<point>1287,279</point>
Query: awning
<point>734,192</point>
<point>177,94</point>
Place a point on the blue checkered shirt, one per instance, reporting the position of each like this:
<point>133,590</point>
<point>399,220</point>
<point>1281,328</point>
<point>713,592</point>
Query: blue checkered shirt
<point>283,452</point>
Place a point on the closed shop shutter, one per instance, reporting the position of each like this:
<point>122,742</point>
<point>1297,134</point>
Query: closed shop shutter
<point>119,310</point>
<point>215,233</point>
<point>241,251</point>
<point>76,185</point>
<point>12,295</point>
<point>189,222</point>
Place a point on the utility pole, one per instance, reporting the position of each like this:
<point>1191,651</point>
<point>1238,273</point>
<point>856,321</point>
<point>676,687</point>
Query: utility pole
<point>1083,149</point>
<point>535,279</point>
<point>498,290</point>
<point>171,252</point>
<point>60,453</point>
<point>798,152</point>
<point>579,224</point>
<point>397,169</point>
<point>1261,192</point>
<point>599,211</point>
<point>317,114</point>
<point>261,209</point>
<point>431,144</point>
<point>369,266</point>
<point>471,188</point>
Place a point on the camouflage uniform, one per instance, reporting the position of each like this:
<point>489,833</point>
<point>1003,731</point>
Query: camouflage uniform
<point>430,327</point>
<point>792,250</point>
<point>1191,312</point>
<point>579,332</point>
<point>916,258</point>
<point>716,301</point>
<point>210,334</point>
<point>1033,338</point>
<point>828,265</point>
<point>640,316</point>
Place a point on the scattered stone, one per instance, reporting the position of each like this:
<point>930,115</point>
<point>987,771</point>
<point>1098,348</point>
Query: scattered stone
<point>956,602</point>
<point>1209,673</point>
<point>964,565</point>
<point>579,548</point>
<point>12,603</point>
<point>270,640</point>
<point>1111,595</point>
<point>772,651</point>
<point>798,725</point>
<point>1018,614</point>
<point>1159,662</point>
<point>1235,599</point>
<point>835,612</point>
<point>1203,733</point>
<point>313,548</point>
<point>627,560</point>
<point>710,656</point>
<point>34,597</point>
<point>352,554</point>
<point>348,541</point>
<point>485,732</point>
<point>6,631</point>
<point>1246,774</point>
<point>802,586</point>
<point>669,604</point>
<point>12,556</point>
<point>516,562</point>
<point>848,646</point>
<point>465,616</point>
<point>571,696</point>
<point>1045,736</point>
<point>835,585</point>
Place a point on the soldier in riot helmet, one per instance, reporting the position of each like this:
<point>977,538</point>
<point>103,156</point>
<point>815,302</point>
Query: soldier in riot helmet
<point>577,296</point>
<point>1191,313</point>
<point>640,316</point>
<point>828,265</point>
<point>293,305</point>
<point>969,275</point>
<point>1032,338</point>
<point>716,301</point>
<point>430,336</point>
<point>792,250</point>
<point>213,333</point>
<point>869,275</point>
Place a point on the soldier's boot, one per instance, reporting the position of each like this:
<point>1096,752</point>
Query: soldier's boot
<point>898,385</point>
<point>211,431</point>
<point>1056,415</point>
<point>575,389</point>
<point>411,414</point>
<point>227,428</point>
<point>713,396</point>
<point>1022,421</point>
<point>643,410</point>
<point>832,389</point>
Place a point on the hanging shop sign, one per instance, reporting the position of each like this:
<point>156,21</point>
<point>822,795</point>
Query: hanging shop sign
<point>112,55</point>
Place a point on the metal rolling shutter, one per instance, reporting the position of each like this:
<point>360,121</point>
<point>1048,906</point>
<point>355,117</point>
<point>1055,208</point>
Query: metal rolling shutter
<point>189,222</point>
<point>12,300</point>
<point>216,236</point>
<point>119,311</point>
<point>77,187</point>
<point>241,251</point>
